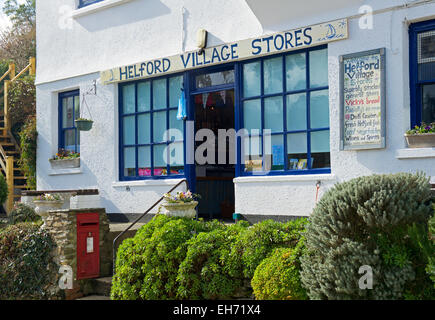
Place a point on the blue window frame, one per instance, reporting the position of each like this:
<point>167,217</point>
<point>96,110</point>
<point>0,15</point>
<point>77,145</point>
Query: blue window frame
<point>148,109</point>
<point>288,95</point>
<point>84,3</point>
<point>69,110</point>
<point>422,72</point>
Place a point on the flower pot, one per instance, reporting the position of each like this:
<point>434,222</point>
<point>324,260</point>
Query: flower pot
<point>43,207</point>
<point>84,125</point>
<point>186,210</point>
<point>426,140</point>
<point>65,163</point>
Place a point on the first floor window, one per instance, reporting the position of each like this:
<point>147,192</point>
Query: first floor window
<point>422,42</point>
<point>84,3</point>
<point>285,107</point>
<point>69,110</point>
<point>148,111</point>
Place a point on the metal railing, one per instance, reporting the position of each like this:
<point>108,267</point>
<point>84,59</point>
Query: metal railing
<point>138,219</point>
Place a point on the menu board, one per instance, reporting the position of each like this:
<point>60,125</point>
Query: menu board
<point>362,95</point>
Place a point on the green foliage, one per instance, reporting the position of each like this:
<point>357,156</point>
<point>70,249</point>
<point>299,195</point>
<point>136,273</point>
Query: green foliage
<point>23,213</point>
<point>278,276</point>
<point>22,100</point>
<point>379,221</point>
<point>258,242</point>
<point>203,274</point>
<point>21,13</point>
<point>27,268</point>
<point>3,189</point>
<point>28,144</point>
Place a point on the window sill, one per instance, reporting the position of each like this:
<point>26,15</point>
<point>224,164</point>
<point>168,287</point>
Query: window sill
<point>287,178</point>
<point>415,153</point>
<point>145,183</point>
<point>68,171</point>
<point>92,8</point>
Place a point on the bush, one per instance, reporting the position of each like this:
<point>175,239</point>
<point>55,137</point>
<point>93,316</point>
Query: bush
<point>3,189</point>
<point>27,268</point>
<point>259,241</point>
<point>379,221</point>
<point>147,265</point>
<point>23,213</point>
<point>278,276</point>
<point>27,161</point>
<point>204,274</point>
<point>22,100</point>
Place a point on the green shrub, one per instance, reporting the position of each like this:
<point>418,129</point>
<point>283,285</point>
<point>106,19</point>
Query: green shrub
<point>259,241</point>
<point>27,162</point>
<point>27,268</point>
<point>278,276</point>
<point>379,221</point>
<point>204,274</point>
<point>23,213</point>
<point>147,265</point>
<point>22,99</point>
<point>3,189</point>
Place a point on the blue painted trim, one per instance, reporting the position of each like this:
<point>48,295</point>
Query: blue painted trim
<point>61,129</point>
<point>85,3</point>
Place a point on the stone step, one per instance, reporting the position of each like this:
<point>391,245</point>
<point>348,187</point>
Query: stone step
<point>95,298</point>
<point>99,287</point>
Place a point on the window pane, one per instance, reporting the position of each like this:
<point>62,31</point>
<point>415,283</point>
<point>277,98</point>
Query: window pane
<point>273,114</point>
<point>274,152</point>
<point>252,115</point>
<point>273,75</point>
<point>251,79</point>
<point>174,123</point>
<point>297,112</point>
<point>296,71</point>
<point>129,130</point>
<point>128,99</point>
<point>70,140</point>
<point>319,109</point>
<point>175,85</point>
<point>76,108</point>
<point>319,68</point>
<point>176,157</point>
<point>426,55</point>
<point>160,160</point>
<point>428,106</point>
<point>67,112</point>
<point>144,129</point>
<point>144,96</point>
<point>129,162</point>
<point>159,94</point>
<point>144,161</point>
<point>320,156</point>
<point>159,126</point>
<point>297,151</point>
<point>215,79</point>
<point>252,151</point>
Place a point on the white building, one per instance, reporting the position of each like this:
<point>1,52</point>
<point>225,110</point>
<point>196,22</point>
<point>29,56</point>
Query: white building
<point>267,65</point>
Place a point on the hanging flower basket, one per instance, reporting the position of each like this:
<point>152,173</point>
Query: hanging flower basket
<point>84,124</point>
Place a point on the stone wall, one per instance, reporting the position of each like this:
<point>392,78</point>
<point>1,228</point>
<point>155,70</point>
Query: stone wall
<point>62,225</point>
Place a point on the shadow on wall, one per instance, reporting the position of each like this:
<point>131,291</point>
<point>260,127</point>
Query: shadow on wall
<point>127,13</point>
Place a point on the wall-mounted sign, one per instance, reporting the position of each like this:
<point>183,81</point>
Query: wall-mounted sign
<point>363,100</point>
<point>241,50</point>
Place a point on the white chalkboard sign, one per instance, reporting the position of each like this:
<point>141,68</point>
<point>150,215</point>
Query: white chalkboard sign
<point>362,100</point>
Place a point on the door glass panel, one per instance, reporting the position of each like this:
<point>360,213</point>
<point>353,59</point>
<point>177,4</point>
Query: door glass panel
<point>252,115</point>
<point>215,79</point>
<point>296,72</point>
<point>297,112</point>
<point>144,96</point>
<point>251,79</point>
<point>273,114</point>
<point>144,129</point>
<point>428,105</point>
<point>297,151</point>
<point>129,162</point>
<point>159,94</point>
<point>319,109</point>
<point>159,126</point>
<point>129,130</point>
<point>319,68</point>
<point>273,75</point>
<point>128,99</point>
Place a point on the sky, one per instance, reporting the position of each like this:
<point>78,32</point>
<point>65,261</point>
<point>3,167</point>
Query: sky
<point>4,21</point>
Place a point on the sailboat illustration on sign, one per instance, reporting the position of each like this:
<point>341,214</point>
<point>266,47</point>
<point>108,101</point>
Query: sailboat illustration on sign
<point>331,32</point>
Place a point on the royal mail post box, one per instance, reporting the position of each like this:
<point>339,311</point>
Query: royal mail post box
<point>88,246</point>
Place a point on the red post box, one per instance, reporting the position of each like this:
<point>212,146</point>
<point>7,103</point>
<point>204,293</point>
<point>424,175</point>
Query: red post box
<point>88,246</point>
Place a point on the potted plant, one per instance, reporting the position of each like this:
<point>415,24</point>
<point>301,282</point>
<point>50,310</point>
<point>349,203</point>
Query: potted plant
<point>181,205</point>
<point>65,159</point>
<point>84,124</point>
<point>421,136</point>
<point>47,202</point>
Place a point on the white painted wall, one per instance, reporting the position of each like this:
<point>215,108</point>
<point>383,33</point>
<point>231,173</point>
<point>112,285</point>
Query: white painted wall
<point>71,53</point>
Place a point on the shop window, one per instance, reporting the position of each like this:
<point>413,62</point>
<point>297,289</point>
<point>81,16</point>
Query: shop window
<point>422,72</point>
<point>288,97</point>
<point>84,3</point>
<point>148,109</point>
<point>69,110</point>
